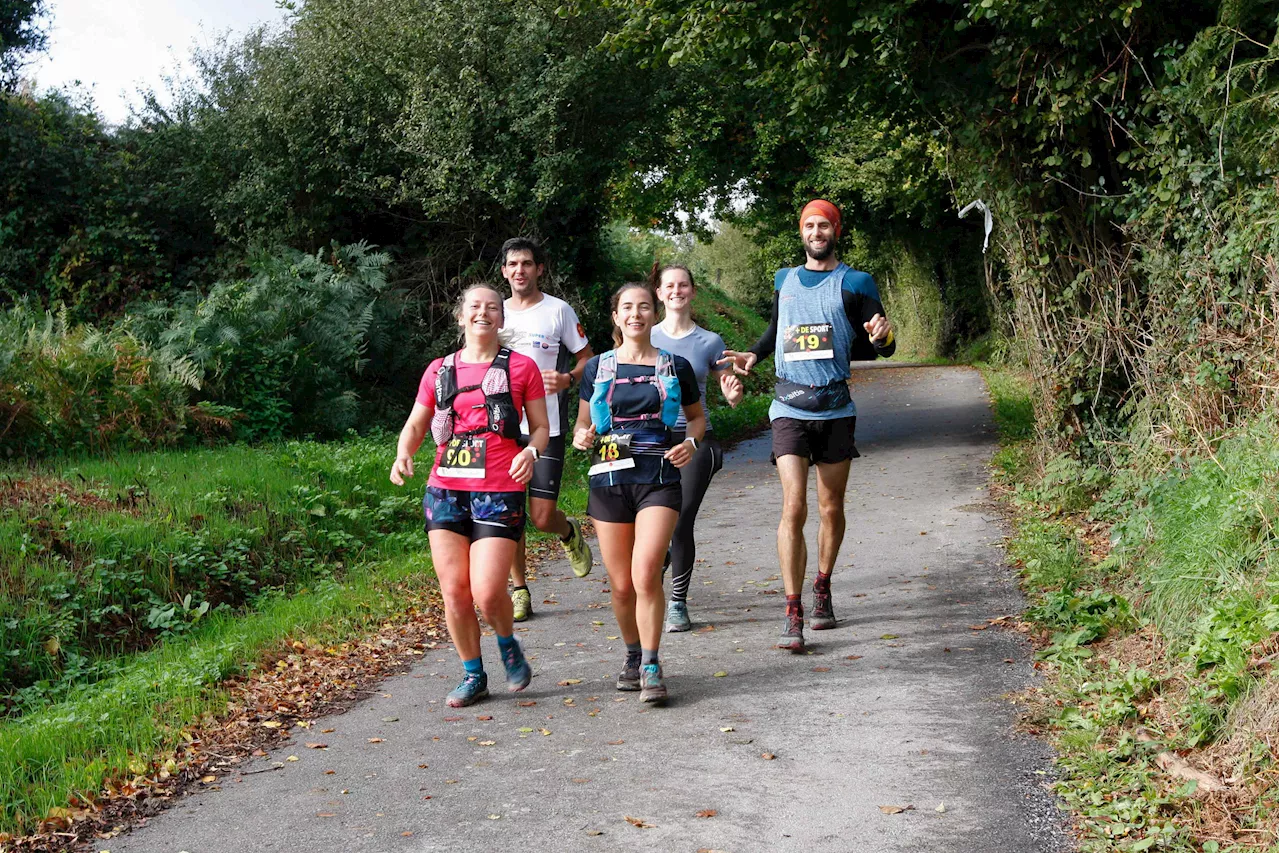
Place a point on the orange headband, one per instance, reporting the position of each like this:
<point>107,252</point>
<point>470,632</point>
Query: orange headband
<point>822,207</point>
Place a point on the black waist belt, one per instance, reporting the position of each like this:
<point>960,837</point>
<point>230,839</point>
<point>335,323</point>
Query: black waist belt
<point>813,398</point>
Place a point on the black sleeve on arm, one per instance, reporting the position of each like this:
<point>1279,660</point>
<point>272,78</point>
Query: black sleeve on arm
<point>859,308</point>
<point>764,347</point>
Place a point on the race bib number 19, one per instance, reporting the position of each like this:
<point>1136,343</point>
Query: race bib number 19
<point>611,452</point>
<point>808,342</point>
<point>463,458</point>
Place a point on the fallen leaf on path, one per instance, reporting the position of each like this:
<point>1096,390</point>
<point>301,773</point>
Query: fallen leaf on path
<point>579,780</point>
<point>375,740</point>
<point>720,674</point>
<point>545,732</point>
<point>726,728</point>
<point>897,809</point>
<point>330,772</point>
<point>487,742</point>
<point>594,832</point>
<point>484,718</point>
<point>326,731</point>
<point>977,627</point>
<point>406,834</point>
<point>317,746</point>
<point>822,669</point>
<point>705,629</point>
<point>707,813</point>
<point>390,719</point>
<point>768,756</point>
<point>569,681</point>
<point>888,636</point>
<point>616,742</point>
<point>422,766</point>
<point>292,758</point>
<point>498,816</point>
<point>942,807</point>
<point>528,704</point>
<point>853,657</point>
<point>208,779</point>
<point>638,823</point>
<point>452,719</point>
<point>524,729</point>
<point>324,814</point>
<point>272,724</point>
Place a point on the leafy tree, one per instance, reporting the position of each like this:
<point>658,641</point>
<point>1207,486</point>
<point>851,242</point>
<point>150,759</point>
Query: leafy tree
<point>21,34</point>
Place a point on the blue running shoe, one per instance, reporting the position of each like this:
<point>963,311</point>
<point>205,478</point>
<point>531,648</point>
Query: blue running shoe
<point>519,672</point>
<point>652,688</point>
<point>677,617</point>
<point>472,689</point>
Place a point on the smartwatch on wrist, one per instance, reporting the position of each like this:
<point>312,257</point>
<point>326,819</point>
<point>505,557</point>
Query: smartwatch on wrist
<point>534,451</point>
<point>694,442</point>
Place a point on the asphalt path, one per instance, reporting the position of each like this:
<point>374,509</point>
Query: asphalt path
<point>903,705</point>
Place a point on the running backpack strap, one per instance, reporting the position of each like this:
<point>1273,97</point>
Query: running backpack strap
<point>668,387</point>
<point>446,390</point>
<point>602,392</point>
<point>500,405</point>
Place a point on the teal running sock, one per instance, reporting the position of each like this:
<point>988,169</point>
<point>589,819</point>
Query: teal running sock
<point>505,644</point>
<point>475,666</point>
<point>633,648</point>
<point>648,656</point>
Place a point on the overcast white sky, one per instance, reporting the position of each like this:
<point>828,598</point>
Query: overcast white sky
<point>113,47</point>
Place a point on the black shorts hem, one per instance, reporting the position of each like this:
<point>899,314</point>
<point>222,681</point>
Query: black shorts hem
<point>621,504</point>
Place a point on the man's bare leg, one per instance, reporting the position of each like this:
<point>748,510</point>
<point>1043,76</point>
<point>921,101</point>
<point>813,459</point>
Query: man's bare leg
<point>832,479</point>
<point>793,554</point>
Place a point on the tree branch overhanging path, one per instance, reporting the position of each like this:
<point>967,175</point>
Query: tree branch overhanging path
<point>895,734</point>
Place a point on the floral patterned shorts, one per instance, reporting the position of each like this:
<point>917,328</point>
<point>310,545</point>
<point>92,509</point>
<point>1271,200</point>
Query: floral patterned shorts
<point>475,515</point>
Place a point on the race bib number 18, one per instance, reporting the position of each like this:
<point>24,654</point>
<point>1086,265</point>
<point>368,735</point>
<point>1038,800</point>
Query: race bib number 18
<point>611,452</point>
<point>463,458</point>
<point>808,342</point>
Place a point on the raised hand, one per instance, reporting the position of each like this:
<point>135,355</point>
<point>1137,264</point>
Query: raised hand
<point>742,361</point>
<point>732,388</point>
<point>583,439</point>
<point>679,455</point>
<point>522,467</point>
<point>554,381</point>
<point>878,328</point>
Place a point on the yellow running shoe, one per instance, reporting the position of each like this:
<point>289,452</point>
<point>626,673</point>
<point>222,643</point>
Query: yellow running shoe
<point>521,605</point>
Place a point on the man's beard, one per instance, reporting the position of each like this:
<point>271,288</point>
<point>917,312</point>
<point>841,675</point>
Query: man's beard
<point>820,254</point>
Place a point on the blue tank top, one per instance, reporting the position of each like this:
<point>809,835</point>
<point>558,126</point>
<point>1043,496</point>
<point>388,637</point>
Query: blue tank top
<point>814,315</point>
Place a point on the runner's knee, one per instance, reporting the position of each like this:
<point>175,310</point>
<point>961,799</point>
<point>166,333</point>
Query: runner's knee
<point>542,514</point>
<point>832,514</point>
<point>794,513</point>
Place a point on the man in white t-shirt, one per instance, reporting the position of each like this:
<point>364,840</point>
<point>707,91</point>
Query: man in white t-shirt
<point>547,330</point>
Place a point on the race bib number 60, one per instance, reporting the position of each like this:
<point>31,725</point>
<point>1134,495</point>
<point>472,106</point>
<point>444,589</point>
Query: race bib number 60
<point>463,458</point>
<point>611,452</point>
<point>808,342</point>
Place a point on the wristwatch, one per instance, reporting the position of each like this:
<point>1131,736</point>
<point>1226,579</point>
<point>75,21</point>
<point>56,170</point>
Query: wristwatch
<point>694,442</point>
<point>534,451</point>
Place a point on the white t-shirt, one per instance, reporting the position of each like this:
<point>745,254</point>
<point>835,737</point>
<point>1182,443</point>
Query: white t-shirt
<point>541,332</point>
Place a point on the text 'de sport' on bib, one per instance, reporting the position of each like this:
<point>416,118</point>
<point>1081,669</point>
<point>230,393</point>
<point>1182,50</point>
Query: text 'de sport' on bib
<point>808,342</point>
<point>463,458</point>
<point>611,452</point>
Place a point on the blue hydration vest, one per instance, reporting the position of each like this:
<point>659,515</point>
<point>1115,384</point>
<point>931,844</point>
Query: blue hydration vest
<point>664,379</point>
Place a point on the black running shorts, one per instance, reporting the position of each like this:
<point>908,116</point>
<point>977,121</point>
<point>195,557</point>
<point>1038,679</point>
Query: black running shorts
<point>821,442</point>
<point>621,504</point>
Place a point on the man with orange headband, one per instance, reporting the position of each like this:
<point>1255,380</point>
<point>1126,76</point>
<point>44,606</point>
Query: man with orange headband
<point>824,316</point>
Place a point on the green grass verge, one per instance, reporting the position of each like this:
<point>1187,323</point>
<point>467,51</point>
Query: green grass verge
<point>115,727</point>
<point>1167,637</point>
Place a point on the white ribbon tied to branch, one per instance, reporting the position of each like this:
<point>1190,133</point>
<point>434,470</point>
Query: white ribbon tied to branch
<point>986,219</point>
